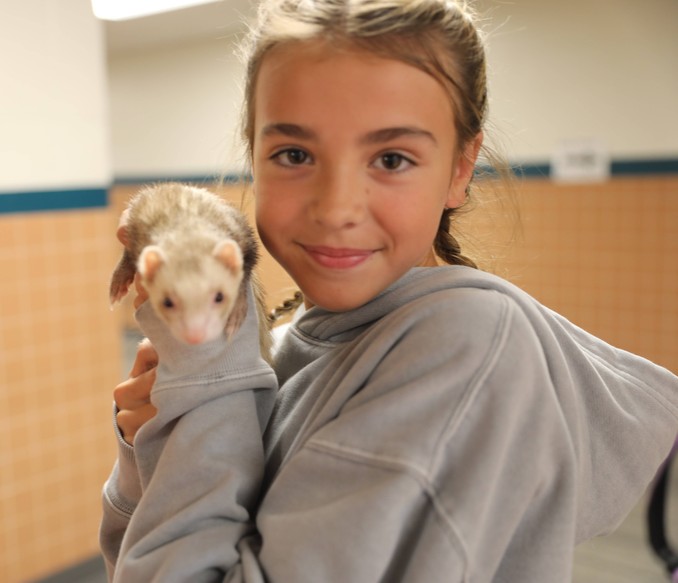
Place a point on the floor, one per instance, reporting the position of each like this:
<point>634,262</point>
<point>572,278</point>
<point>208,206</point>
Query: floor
<point>91,571</point>
<point>625,556</point>
<point>621,557</point>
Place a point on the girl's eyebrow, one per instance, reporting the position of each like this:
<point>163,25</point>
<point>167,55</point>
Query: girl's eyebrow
<point>289,130</point>
<point>384,135</point>
<point>388,134</point>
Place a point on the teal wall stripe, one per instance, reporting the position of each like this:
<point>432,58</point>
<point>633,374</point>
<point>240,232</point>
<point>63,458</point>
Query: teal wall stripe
<point>531,170</point>
<point>527,170</point>
<point>89,198</point>
<point>617,168</point>
<point>190,179</point>
<point>640,167</point>
<point>53,200</point>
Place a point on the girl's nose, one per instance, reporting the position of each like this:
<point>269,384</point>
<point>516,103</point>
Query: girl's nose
<point>339,199</point>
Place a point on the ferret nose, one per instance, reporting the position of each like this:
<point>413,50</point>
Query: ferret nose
<point>194,336</point>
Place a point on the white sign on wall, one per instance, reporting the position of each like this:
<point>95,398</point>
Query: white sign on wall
<point>582,160</point>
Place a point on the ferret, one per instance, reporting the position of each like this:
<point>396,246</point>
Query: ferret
<point>195,254</point>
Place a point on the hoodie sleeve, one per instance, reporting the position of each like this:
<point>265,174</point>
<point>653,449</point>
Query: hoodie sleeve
<point>199,461</point>
<point>121,494</point>
<point>622,411</point>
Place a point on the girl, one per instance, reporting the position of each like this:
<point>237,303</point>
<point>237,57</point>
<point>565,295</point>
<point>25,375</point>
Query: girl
<point>432,422</point>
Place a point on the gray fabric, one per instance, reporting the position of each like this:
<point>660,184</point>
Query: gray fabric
<point>452,429</point>
<point>192,480</point>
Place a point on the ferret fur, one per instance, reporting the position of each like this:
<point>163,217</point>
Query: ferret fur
<point>195,254</point>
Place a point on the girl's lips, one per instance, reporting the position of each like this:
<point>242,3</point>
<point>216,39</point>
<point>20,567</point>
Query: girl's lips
<point>336,258</point>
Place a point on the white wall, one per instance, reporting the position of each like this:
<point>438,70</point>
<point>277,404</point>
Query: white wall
<point>54,97</point>
<point>175,111</point>
<point>603,69</point>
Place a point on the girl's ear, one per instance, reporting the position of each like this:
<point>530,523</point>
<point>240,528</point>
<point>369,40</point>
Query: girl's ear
<point>463,172</point>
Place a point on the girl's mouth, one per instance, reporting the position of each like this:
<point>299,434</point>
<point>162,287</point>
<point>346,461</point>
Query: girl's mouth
<point>337,258</point>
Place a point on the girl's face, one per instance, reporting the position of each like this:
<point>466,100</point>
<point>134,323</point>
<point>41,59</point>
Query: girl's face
<point>354,160</point>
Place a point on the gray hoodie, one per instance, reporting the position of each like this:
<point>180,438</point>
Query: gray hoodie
<point>452,429</point>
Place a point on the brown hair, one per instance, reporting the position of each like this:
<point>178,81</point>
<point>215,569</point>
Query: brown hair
<point>436,36</point>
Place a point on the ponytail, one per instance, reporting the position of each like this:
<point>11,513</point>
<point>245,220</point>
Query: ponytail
<point>446,245</point>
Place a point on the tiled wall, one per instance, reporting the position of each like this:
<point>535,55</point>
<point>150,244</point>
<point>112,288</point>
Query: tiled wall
<point>59,360</point>
<point>605,256</point>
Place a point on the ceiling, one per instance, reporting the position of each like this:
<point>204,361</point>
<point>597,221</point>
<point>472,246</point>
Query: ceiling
<point>207,21</point>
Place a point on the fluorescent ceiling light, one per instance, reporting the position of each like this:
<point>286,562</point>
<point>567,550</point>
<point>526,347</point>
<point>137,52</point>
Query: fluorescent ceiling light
<point>128,9</point>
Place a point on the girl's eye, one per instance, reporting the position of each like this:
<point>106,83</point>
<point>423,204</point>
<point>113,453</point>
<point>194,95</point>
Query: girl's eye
<point>218,298</point>
<point>291,157</point>
<point>168,303</point>
<point>392,161</point>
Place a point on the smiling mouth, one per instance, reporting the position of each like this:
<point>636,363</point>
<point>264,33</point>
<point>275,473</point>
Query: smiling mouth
<point>338,258</point>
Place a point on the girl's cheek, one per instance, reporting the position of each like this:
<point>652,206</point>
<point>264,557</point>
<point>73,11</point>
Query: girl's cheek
<point>271,213</point>
<point>266,203</point>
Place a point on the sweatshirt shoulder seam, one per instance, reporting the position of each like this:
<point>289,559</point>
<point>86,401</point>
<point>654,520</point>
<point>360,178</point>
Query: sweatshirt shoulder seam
<point>492,357</point>
<point>394,464</point>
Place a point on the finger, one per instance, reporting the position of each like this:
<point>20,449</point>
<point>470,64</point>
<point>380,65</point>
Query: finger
<point>135,392</point>
<point>142,294</point>
<point>146,358</point>
<point>130,422</point>
<point>121,233</point>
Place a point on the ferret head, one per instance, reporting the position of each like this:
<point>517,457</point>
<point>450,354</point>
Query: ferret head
<point>193,295</point>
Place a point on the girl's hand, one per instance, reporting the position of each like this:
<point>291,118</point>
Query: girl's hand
<point>133,396</point>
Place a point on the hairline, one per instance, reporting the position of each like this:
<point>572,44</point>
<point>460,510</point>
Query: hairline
<point>365,44</point>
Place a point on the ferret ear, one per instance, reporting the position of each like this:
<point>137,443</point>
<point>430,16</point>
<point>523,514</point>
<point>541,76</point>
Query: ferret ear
<point>122,228</point>
<point>150,260</point>
<point>229,254</point>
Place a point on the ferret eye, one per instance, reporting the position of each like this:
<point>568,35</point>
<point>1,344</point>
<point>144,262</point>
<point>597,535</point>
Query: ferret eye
<point>168,303</point>
<point>218,298</point>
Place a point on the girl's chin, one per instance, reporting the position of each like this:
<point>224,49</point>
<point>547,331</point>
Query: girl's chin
<point>341,290</point>
<point>333,300</point>
<point>342,296</point>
